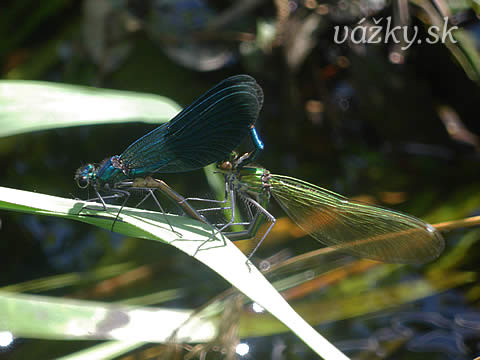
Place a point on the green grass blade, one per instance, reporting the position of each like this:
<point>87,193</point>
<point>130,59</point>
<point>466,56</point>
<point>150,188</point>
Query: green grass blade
<point>221,255</point>
<point>44,317</point>
<point>35,105</point>
<point>106,351</point>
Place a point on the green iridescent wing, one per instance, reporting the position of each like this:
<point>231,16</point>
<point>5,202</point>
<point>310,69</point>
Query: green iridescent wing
<point>360,229</point>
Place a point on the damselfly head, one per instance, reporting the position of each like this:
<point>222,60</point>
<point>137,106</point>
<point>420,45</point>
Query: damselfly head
<point>227,164</point>
<point>84,175</point>
<point>224,166</point>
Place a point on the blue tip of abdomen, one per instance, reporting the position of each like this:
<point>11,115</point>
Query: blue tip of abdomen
<point>256,138</point>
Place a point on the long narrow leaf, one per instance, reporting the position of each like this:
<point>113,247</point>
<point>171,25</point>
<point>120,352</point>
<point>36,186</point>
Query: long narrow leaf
<point>221,255</point>
<point>35,105</point>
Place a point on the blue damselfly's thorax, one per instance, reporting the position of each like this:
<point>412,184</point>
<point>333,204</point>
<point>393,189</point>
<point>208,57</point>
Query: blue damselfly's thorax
<point>108,173</point>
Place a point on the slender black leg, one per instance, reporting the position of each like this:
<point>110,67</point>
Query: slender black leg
<point>99,197</point>
<point>127,196</point>
<point>254,227</point>
<point>150,191</point>
<point>219,230</point>
<point>150,184</point>
<point>146,197</point>
<point>224,201</point>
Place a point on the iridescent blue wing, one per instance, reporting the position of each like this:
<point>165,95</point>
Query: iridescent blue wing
<point>204,132</point>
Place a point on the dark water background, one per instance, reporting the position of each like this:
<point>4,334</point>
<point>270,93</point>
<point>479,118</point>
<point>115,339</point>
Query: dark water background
<point>346,118</point>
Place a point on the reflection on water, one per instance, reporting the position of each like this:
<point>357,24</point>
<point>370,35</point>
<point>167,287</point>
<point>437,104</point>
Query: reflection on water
<point>452,333</point>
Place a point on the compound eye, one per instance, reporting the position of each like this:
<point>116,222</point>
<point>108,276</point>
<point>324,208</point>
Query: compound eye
<point>82,181</point>
<point>226,165</point>
<point>84,175</point>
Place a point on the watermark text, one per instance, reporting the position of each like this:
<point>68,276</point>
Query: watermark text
<point>365,32</point>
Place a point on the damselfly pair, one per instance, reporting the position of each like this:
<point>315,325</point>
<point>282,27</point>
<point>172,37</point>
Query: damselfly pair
<point>208,131</point>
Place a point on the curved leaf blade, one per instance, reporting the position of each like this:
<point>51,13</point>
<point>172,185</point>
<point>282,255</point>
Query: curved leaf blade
<point>226,260</point>
<point>37,105</point>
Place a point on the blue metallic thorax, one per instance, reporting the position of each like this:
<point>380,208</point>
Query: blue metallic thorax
<point>140,172</point>
<point>110,172</point>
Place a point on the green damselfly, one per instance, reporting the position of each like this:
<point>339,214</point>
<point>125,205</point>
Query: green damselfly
<point>351,226</point>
